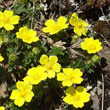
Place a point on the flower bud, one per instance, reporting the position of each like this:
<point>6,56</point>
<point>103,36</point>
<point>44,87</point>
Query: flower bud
<point>35,50</point>
<point>74,38</point>
<point>12,57</point>
<point>95,58</point>
<point>5,40</point>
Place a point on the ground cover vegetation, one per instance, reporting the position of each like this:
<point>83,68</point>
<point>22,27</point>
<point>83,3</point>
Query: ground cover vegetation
<point>46,62</point>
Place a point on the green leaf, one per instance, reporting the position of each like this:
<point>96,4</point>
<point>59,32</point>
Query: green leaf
<point>19,8</point>
<point>56,51</point>
<point>13,87</point>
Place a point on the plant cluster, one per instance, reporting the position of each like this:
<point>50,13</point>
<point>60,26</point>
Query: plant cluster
<point>24,51</point>
<point>98,3</point>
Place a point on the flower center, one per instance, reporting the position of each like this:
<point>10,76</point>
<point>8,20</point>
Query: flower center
<point>48,65</point>
<point>76,97</point>
<point>56,28</point>
<point>6,20</point>
<point>23,94</point>
<point>92,47</point>
<point>37,77</point>
<point>69,77</point>
<point>79,25</point>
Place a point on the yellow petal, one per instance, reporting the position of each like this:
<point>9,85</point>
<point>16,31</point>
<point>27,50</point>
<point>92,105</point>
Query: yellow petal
<point>50,23</point>
<point>14,19</point>
<point>8,13</point>
<point>32,80</point>
<point>24,30</point>
<point>32,33</point>
<point>1,24</point>
<point>2,108</point>
<point>77,31</point>
<point>47,29</point>
<point>28,79</point>
<point>85,97</point>
<point>51,74</point>
<point>35,39</point>
<point>67,83</point>
<point>19,85</point>
<point>1,16</point>
<point>77,80</point>
<point>1,58</point>
<point>53,59</point>
<point>19,101</point>
<point>41,69</point>
<point>32,71</point>
<point>22,85</point>
<point>61,77</point>
<point>83,46</point>
<point>15,94</point>
<point>78,104</point>
<point>83,31</point>
<point>84,24</point>
<point>44,59</point>
<point>56,67</point>
<point>75,16</point>
<point>29,96</point>
<point>68,71</point>
<point>44,76</point>
<point>68,99</point>
<point>8,27</point>
<point>74,19</point>
<point>54,31</point>
<point>77,73</point>
<point>61,21</point>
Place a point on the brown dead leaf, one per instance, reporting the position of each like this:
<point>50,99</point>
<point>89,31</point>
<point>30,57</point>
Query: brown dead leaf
<point>95,99</point>
<point>60,44</point>
<point>4,89</point>
<point>42,17</point>
<point>75,53</point>
<point>74,46</point>
<point>42,1</point>
<point>49,41</point>
<point>8,3</point>
<point>77,44</point>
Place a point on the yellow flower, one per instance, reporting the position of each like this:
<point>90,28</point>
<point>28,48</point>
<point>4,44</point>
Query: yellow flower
<point>91,45</point>
<point>27,35</point>
<point>77,97</point>
<point>7,20</point>
<point>54,27</point>
<point>22,94</point>
<point>79,25</point>
<point>36,75</point>
<point>2,108</point>
<point>50,64</point>
<point>1,58</point>
<point>70,76</point>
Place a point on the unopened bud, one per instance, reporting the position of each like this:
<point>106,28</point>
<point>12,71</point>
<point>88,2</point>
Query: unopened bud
<point>12,57</point>
<point>95,58</point>
<point>35,50</point>
<point>6,40</point>
<point>74,38</point>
